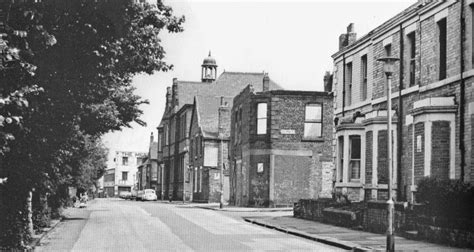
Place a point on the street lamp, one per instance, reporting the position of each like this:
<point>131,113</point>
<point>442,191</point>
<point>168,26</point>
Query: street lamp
<point>388,68</point>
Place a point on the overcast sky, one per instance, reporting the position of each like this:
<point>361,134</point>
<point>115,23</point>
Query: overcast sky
<point>291,40</point>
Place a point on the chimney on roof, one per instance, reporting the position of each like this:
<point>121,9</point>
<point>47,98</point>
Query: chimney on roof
<point>266,83</point>
<point>327,82</point>
<point>174,95</point>
<point>347,38</point>
<point>168,97</point>
<point>224,119</point>
<point>151,138</point>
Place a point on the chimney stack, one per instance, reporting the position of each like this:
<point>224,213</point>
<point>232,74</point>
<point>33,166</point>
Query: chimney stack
<point>224,119</point>
<point>327,82</point>
<point>168,97</point>
<point>151,138</point>
<point>174,95</point>
<point>348,38</point>
<point>266,83</point>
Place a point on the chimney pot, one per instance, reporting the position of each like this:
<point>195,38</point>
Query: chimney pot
<point>266,83</point>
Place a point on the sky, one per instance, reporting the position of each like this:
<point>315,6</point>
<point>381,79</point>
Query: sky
<point>291,40</point>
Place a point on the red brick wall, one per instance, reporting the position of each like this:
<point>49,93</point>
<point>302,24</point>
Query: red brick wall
<point>419,155</point>
<point>382,168</point>
<point>440,149</point>
<point>368,156</point>
<point>291,179</point>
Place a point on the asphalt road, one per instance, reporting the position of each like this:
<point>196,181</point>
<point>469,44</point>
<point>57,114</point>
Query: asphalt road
<point>119,225</point>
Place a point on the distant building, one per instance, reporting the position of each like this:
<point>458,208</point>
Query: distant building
<point>280,146</point>
<point>121,176</point>
<point>209,139</point>
<point>147,173</point>
<point>432,107</point>
<point>173,130</point>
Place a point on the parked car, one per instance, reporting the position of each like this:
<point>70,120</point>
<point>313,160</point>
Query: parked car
<point>125,195</point>
<point>147,194</point>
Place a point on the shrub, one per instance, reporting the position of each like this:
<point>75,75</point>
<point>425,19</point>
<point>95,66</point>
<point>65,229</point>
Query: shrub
<point>451,199</point>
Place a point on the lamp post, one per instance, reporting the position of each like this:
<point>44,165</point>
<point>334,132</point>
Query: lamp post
<point>388,68</point>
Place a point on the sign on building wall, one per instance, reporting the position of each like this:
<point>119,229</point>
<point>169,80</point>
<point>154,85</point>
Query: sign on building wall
<point>260,167</point>
<point>287,131</point>
<point>418,143</point>
<point>210,155</point>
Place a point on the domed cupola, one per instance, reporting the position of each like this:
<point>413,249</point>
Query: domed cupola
<point>209,69</point>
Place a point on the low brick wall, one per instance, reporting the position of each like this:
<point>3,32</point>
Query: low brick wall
<point>323,210</point>
<point>311,209</point>
<point>375,217</point>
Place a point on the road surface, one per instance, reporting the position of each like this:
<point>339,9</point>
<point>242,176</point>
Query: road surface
<point>119,225</point>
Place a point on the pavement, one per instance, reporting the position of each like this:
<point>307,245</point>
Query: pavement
<point>343,237</point>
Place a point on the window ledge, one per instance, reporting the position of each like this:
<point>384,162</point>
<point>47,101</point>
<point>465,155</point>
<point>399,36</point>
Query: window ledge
<point>316,139</point>
<point>349,184</point>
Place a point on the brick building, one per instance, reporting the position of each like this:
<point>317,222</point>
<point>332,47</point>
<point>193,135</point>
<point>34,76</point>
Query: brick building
<point>209,134</point>
<point>174,128</point>
<point>280,146</point>
<point>432,106</point>
<point>148,170</point>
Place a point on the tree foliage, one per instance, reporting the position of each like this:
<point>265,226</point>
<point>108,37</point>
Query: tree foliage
<point>66,74</point>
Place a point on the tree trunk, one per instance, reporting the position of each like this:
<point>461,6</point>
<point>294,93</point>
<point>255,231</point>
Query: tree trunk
<point>29,207</point>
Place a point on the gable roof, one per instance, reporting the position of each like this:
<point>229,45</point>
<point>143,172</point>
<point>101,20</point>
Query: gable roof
<point>207,112</point>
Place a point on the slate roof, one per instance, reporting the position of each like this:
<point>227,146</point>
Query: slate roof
<point>207,108</point>
<point>228,84</point>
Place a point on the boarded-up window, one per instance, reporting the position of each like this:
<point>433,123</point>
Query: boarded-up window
<point>210,156</point>
<point>262,118</point>
<point>313,121</point>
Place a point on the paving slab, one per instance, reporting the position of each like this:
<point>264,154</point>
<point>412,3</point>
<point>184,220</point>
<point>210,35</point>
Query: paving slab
<point>344,237</point>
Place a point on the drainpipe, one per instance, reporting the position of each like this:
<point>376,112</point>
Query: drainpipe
<point>400,195</point>
<point>462,94</point>
<point>343,83</point>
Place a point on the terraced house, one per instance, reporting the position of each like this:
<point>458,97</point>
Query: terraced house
<point>433,105</point>
<point>174,129</point>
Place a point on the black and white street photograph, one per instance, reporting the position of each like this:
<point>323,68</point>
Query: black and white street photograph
<point>236,125</point>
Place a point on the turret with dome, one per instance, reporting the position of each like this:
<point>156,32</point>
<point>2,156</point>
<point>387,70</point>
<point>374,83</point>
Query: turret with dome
<point>209,69</point>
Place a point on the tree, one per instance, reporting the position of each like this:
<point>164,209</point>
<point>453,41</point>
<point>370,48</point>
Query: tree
<point>82,56</point>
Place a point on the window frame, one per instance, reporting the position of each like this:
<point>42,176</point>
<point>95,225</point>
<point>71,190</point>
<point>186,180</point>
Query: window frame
<point>262,119</point>
<point>349,80</point>
<point>354,160</point>
<point>313,121</point>
<point>364,76</point>
<point>411,37</point>
<point>125,161</point>
<point>443,47</point>
<point>124,178</point>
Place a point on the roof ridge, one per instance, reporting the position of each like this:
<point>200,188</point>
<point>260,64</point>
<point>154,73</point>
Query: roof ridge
<point>235,72</point>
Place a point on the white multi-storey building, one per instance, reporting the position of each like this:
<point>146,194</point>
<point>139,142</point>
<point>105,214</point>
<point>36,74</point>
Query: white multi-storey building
<point>121,174</point>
